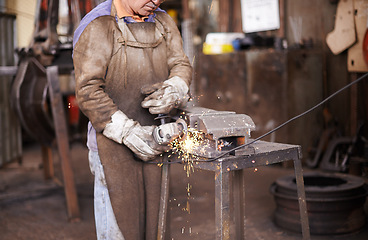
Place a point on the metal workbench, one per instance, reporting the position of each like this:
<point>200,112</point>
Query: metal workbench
<point>259,154</point>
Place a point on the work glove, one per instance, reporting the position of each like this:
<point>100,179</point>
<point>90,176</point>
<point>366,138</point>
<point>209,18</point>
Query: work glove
<point>137,138</point>
<point>164,96</point>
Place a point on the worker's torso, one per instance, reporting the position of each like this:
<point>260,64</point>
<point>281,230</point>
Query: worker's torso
<point>139,59</point>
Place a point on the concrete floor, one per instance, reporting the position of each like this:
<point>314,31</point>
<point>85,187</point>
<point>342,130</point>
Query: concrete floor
<point>32,208</point>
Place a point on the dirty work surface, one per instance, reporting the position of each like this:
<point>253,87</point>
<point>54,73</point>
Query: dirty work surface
<point>32,208</point>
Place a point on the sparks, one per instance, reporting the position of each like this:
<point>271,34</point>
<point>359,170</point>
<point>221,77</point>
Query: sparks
<point>187,207</point>
<point>183,148</point>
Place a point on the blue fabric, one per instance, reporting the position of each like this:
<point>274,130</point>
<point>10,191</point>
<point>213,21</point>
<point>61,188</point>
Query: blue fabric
<point>91,138</point>
<point>101,9</point>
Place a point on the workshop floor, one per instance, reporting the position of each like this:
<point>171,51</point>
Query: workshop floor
<point>32,208</point>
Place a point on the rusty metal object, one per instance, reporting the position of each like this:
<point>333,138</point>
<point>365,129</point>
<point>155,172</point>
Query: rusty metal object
<point>164,198</point>
<point>335,203</point>
<point>236,128</point>
<point>223,130</point>
<point>164,195</point>
<point>265,154</point>
<point>62,140</point>
<point>29,97</point>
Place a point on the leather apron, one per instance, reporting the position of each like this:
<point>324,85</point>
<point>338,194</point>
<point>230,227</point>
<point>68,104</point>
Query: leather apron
<point>134,186</point>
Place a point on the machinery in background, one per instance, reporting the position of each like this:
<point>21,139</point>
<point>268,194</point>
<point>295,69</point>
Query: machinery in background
<point>44,80</point>
<point>51,45</point>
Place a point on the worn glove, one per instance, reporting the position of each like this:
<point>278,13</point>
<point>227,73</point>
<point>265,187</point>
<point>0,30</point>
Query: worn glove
<point>164,96</point>
<point>137,138</point>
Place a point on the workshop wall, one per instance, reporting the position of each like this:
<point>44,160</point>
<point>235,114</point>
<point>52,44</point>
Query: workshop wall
<point>273,84</point>
<point>314,20</point>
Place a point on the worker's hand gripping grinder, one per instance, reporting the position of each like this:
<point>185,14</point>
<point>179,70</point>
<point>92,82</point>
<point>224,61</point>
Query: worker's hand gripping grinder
<point>160,99</point>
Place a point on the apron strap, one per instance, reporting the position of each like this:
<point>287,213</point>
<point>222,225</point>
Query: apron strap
<point>135,44</point>
<point>139,44</point>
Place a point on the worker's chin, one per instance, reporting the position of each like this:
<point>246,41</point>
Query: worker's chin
<point>146,11</point>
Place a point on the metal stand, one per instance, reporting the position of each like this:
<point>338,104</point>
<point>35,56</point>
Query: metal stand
<point>265,153</point>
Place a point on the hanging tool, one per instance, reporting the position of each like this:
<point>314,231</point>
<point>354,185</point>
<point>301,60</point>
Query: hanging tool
<point>343,36</point>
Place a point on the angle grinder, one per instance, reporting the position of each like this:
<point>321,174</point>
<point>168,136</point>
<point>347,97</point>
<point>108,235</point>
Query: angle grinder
<point>167,132</point>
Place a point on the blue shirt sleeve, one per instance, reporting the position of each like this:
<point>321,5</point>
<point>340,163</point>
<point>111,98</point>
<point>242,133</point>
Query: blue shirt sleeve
<point>102,9</point>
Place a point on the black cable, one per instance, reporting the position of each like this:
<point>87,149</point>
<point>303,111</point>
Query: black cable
<point>280,126</point>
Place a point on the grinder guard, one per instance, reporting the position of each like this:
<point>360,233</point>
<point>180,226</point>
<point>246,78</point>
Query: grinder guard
<point>167,132</point>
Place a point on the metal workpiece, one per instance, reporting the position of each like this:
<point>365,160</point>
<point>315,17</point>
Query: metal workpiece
<point>8,70</point>
<point>222,130</point>
<point>230,185</point>
<point>219,124</point>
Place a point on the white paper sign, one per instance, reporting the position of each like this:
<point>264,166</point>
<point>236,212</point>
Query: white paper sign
<point>260,15</point>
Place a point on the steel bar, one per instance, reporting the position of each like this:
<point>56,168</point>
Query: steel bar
<point>164,198</point>
<point>63,143</point>
<point>239,203</point>
<point>8,70</point>
<point>222,204</point>
<point>301,198</point>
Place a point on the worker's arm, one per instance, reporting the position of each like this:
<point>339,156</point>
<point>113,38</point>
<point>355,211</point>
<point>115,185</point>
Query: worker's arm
<point>178,62</point>
<point>91,57</point>
<point>172,93</point>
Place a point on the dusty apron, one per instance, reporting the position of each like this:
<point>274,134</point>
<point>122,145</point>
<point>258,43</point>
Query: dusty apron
<point>134,186</point>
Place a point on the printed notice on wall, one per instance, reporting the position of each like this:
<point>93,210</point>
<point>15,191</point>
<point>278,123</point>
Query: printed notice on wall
<point>260,15</point>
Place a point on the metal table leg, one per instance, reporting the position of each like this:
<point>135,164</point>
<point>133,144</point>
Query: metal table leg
<point>232,166</point>
<point>222,204</point>
<point>238,184</point>
<point>63,143</point>
<point>301,197</point>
